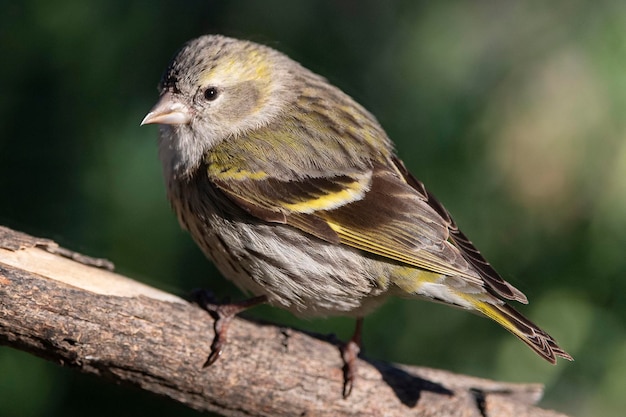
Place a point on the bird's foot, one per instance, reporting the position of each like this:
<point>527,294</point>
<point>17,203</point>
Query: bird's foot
<point>223,314</point>
<point>349,354</point>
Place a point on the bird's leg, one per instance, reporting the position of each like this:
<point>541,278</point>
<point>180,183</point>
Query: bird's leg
<point>223,314</point>
<point>349,353</point>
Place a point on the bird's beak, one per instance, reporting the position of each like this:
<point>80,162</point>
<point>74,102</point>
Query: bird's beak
<point>168,111</point>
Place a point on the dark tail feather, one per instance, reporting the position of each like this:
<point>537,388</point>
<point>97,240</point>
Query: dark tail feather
<point>528,332</point>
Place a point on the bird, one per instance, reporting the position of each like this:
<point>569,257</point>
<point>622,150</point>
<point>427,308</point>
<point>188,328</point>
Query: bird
<point>297,195</point>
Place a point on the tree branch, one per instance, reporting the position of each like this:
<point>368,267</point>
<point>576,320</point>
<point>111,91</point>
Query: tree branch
<point>70,309</point>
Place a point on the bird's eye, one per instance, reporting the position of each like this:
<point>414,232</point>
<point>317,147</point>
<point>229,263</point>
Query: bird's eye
<point>211,93</point>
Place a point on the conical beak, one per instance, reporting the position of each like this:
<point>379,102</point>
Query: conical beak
<point>168,111</point>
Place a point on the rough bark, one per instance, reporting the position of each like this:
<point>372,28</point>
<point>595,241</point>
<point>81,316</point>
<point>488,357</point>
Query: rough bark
<point>71,309</point>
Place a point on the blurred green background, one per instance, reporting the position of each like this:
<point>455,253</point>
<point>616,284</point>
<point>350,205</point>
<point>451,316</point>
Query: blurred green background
<point>511,112</point>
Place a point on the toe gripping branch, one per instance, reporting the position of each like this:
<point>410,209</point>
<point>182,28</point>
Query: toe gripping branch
<point>223,314</point>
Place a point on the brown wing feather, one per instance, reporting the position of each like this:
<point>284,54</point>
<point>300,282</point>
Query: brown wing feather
<point>458,238</point>
<point>388,218</point>
<point>395,222</point>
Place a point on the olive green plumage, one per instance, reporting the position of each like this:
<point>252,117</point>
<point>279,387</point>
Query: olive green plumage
<point>295,192</point>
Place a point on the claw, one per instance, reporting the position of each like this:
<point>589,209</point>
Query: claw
<point>217,348</point>
<point>220,326</point>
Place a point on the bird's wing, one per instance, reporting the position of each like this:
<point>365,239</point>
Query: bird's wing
<point>384,211</point>
<point>467,249</point>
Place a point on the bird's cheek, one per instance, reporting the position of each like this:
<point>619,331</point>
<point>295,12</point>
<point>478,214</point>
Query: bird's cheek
<point>241,100</point>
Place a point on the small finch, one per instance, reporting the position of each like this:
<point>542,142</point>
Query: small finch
<point>295,192</point>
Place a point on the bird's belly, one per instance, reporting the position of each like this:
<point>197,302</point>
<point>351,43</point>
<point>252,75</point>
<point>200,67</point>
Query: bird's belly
<point>296,271</point>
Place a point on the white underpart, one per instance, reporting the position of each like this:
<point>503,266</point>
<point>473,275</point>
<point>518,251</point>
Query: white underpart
<point>444,293</point>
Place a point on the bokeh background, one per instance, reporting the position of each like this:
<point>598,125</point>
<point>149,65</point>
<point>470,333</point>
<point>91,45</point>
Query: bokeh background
<point>513,113</point>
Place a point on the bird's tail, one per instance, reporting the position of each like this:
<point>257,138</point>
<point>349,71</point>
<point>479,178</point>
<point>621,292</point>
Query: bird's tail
<point>528,332</point>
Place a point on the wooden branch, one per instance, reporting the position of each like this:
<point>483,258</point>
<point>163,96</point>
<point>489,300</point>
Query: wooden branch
<point>70,309</point>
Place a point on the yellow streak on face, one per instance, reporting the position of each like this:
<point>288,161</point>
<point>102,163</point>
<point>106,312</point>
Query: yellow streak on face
<point>241,66</point>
